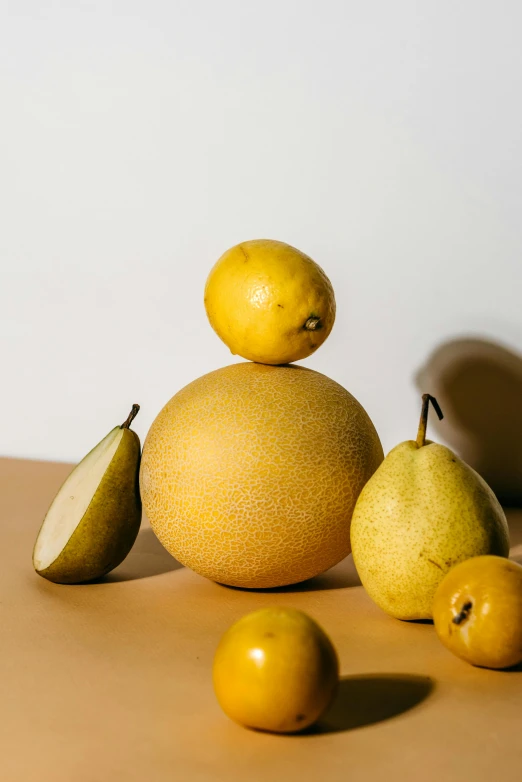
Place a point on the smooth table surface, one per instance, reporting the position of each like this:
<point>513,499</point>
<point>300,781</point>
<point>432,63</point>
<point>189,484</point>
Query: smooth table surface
<point>112,681</point>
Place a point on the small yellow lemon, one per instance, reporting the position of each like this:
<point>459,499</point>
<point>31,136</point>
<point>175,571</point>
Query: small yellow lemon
<point>269,302</point>
<point>477,611</point>
<point>275,670</point>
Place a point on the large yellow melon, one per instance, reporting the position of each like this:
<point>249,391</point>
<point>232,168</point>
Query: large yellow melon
<point>250,474</point>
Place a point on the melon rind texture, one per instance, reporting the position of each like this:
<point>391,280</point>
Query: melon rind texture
<point>250,474</point>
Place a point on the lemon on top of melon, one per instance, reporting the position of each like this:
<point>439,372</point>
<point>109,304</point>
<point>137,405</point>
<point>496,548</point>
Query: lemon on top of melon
<point>250,474</point>
<point>269,302</point>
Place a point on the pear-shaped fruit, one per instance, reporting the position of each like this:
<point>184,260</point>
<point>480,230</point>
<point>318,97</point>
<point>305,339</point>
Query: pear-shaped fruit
<point>423,511</point>
<point>95,517</point>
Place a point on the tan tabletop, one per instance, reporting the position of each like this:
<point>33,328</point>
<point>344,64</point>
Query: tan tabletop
<point>112,681</point>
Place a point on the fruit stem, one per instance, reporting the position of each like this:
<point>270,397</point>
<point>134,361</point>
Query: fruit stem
<point>312,323</point>
<point>463,613</point>
<point>130,418</point>
<point>421,434</point>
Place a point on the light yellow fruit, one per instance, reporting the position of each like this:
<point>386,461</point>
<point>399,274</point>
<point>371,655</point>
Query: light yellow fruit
<point>269,302</point>
<point>250,474</point>
<point>275,670</point>
<point>422,512</point>
<point>477,612</point>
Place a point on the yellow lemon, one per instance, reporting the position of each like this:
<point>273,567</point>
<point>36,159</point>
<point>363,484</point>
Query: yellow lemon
<point>275,670</point>
<point>249,475</point>
<point>477,611</point>
<point>269,302</point>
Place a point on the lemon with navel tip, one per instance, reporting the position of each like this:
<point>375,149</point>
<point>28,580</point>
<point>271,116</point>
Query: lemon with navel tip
<point>269,302</point>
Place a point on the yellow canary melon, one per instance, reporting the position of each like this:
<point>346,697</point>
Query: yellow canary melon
<point>249,475</point>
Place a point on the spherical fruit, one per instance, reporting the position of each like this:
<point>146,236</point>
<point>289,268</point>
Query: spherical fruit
<point>269,302</point>
<point>276,670</point>
<point>249,475</point>
<point>477,611</point>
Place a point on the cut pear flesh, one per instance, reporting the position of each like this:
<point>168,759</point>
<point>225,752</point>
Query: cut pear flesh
<point>73,499</point>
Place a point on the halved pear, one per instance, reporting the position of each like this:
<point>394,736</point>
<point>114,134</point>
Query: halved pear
<point>94,519</point>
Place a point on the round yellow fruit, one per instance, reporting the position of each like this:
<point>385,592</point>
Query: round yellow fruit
<point>477,611</point>
<point>269,302</point>
<point>275,670</point>
<point>249,475</point>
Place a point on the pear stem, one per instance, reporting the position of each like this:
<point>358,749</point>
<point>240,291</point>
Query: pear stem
<point>463,613</point>
<point>312,323</point>
<point>421,434</point>
<point>130,418</point>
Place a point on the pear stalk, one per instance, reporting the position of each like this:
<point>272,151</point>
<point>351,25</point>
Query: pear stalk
<point>463,613</point>
<point>130,418</point>
<point>423,423</point>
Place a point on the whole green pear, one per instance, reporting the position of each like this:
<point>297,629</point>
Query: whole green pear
<point>94,519</point>
<point>423,511</point>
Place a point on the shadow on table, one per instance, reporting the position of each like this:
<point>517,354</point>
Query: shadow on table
<point>147,558</point>
<point>366,700</point>
<point>340,576</point>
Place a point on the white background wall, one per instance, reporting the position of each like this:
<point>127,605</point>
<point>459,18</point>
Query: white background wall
<point>139,139</point>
